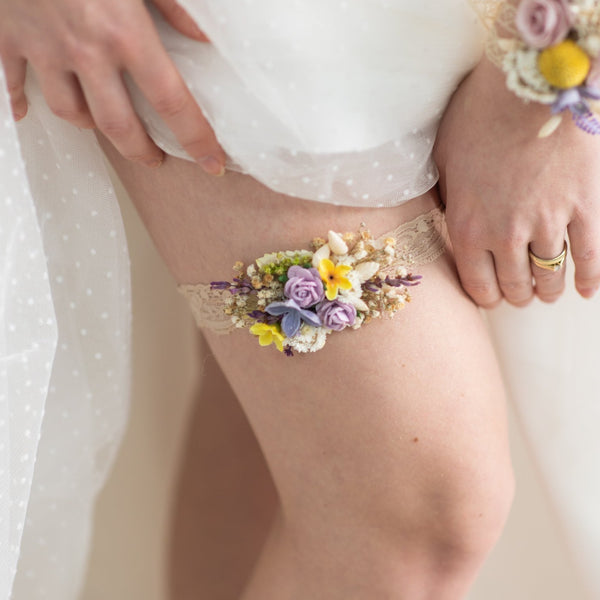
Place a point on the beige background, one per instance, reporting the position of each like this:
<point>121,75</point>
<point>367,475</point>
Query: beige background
<point>128,557</point>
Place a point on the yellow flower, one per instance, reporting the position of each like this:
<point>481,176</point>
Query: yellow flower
<point>564,65</point>
<point>268,334</point>
<point>334,277</point>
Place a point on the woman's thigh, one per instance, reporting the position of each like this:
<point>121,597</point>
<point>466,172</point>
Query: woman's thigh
<point>381,417</point>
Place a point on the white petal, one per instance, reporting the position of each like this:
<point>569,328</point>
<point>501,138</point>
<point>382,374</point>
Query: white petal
<point>366,270</point>
<point>320,254</point>
<point>550,126</point>
<point>337,244</point>
<point>356,302</point>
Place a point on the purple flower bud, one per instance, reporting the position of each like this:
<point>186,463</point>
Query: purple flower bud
<point>304,286</point>
<point>543,23</point>
<point>336,315</point>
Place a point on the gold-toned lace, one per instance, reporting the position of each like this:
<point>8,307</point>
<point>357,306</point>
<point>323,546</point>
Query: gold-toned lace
<point>499,18</point>
<point>418,242</point>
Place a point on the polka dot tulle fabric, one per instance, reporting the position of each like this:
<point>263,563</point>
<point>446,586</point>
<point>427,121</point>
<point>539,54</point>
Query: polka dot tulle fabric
<point>331,100</point>
<point>64,347</point>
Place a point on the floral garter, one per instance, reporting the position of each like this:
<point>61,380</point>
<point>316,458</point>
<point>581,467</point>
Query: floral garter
<point>295,299</point>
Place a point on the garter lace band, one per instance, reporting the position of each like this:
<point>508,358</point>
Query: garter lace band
<point>419,242</point>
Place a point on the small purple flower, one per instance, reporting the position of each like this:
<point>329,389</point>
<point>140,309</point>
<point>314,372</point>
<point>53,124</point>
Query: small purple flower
<point>543,23</point>
<point>293,315</point>
<point>336,315</point>
<point>409,280</point>
<point>575,100</point>
<point>304,286</point>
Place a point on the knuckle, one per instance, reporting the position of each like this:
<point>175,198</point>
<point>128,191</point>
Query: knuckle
<point>512,241</point>
<point>587,281</point>
<point>545,275</point>
<point>15,88</point>
<point>116,128</point>
<point>172,102</point>
<point>515,286</point>
<point>550,297</point>
<point>585,255</point>
<point>483,293</point>
<point>67,113</point>
<point>200,147</point>
<point>519,302</point>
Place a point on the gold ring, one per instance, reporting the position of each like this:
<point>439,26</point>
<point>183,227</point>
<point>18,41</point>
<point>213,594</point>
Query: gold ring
<point>550,264</point>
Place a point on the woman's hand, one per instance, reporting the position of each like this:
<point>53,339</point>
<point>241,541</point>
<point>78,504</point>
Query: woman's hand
<point>507,191</point>
<point>79,51</point>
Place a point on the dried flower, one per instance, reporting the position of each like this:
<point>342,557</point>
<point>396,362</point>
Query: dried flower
<point>543,23</point>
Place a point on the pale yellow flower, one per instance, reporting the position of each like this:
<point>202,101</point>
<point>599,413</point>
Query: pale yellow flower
<point>268,334</point>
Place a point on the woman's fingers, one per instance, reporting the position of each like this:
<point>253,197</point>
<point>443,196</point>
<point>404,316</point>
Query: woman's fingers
<point>160,82</point>
<point>514,274</point>
<point>15,70</point>
<point>584,236</point>
<point>113,113</point>
<point>179,19</point>
<point>65,98</point>
<point>477,274</point>
<point>549,284</point>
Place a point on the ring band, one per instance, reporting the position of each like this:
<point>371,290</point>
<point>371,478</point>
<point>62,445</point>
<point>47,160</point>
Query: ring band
<point>550,264</point>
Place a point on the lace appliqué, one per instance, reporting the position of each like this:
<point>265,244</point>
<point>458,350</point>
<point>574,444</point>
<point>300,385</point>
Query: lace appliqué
<point>418,242</point>
<point>499,19</point>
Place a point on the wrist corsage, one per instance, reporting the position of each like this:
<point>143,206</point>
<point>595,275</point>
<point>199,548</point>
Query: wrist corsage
<point>550,52</point>
<point>295,299</point>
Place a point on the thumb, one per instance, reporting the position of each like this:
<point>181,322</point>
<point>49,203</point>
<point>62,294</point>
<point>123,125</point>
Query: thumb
<point>178,18</point>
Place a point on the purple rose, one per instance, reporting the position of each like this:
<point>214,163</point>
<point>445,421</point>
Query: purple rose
<point>336,315</point>
<point>304,286</point>
<point>543,23</point>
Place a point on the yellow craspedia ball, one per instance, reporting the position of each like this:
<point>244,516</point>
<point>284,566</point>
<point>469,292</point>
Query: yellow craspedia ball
<point>565,65</point>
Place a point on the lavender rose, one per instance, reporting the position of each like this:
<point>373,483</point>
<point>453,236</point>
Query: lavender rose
<point>304,286</point>
<point>543,23</point>
<point>336,315</point>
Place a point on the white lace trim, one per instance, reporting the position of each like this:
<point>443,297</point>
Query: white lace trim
<point>418,242</point>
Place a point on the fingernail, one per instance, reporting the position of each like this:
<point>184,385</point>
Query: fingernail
<point>212,166</point>
<point>18,116</point>
<point>155,162</point>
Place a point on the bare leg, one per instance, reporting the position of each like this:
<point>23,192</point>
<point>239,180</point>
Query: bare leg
<point>225,499</point>
<point>388,447</point>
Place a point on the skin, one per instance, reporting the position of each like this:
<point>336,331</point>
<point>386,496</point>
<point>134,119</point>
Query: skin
<point>392,484</point>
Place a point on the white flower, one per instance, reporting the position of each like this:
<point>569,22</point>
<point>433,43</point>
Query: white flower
<point>323,252</point>
<point>309,339</point>
<point>355,300</point>
<point>366,270</point>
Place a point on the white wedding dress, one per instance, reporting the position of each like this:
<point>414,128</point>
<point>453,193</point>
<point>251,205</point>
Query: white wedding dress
<point>332,100</point>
